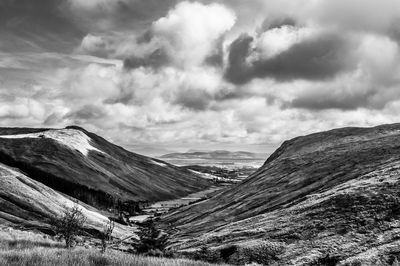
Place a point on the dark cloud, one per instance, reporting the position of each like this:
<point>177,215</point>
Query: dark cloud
<point>193,99</point>
<point>88,112</point>
<point>318,58</point>
<point>217,57</point>
<point>156,59</point>
<point>120,14</point>
<point>323,102</point>
<point>60,25</point>
<point>30,25</point>
<point>269,24</point>
<point>238,70</point>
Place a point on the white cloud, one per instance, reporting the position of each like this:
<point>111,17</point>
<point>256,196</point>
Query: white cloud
<point>190,31</point>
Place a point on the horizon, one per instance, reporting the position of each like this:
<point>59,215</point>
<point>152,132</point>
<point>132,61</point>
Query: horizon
<point>169,76</point>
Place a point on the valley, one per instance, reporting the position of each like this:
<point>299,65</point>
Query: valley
<point>328,196</point>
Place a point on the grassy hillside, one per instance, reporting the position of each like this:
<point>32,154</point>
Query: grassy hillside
<point>30,204</point>
<point>333,194</point>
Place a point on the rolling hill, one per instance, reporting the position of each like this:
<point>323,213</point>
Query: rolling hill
<point>85,166</point>
<point>334,194</point>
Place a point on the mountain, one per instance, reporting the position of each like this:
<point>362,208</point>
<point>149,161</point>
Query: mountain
<point>85,166</point>
<point>334,194</point>
<point>220,154</point>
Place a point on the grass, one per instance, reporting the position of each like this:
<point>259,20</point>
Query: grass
<point>84,257</point>
<point>22,248</point>
<point>13,239</point>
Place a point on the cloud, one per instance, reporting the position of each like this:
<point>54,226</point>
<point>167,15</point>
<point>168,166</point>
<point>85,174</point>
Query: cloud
<point>28,26</point>
<point>22,109</point>
<point>190,31</point>
<point>116,15</point>
<point>276,23</point>
<point>188,35</point>
<point>316,58</point>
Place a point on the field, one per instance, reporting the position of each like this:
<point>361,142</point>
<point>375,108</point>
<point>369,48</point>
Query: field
<point>34,249</point>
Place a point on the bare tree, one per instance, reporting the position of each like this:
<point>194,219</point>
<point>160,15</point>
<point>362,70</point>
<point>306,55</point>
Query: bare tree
<point>106,234</point>
<point>70,225</point>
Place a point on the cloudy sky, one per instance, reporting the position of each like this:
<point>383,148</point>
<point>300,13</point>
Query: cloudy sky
<point>160,75</point>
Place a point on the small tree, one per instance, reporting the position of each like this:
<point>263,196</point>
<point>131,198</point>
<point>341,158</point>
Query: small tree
<point>70,225</point>
<point>151,238</point>
<point>105,235</point>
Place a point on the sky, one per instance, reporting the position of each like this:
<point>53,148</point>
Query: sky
<point>166,75</point>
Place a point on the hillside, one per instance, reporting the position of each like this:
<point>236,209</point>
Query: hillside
<point>220,154</point>
<point>29,204</point>
<point>87,167</point>
<point>329,194</point>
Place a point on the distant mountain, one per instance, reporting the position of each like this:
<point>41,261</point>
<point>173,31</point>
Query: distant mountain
<point>333,195</point>
<point>85,166</point>
<point>219,154</point>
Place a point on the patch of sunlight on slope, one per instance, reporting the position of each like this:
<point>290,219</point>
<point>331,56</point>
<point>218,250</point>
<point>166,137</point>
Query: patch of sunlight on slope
<point>72,138</point>
<point>40,199</point>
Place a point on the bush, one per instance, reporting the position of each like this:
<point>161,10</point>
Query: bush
<point>69,225</point>
<point>206,254</point>
<point>326,260</point>
<point>227,252</point>
<point>151,239</point>
<point>265,253</point>
<point>105,235</point>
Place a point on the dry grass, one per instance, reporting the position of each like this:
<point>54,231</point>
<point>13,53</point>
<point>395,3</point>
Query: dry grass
<point>34,249</point>
<point>83,257</point>
<point>13,239</point>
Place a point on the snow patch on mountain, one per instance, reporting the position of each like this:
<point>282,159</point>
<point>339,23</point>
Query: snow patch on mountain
<point>72,138</point>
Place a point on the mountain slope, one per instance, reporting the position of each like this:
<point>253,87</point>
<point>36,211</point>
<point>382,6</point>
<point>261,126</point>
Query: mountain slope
<point>330,192</point>
<point>89,168</point>
<point>30,204</point>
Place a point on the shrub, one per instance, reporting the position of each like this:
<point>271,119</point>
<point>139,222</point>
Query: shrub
<point>227,252</point>
<point>105,235</point>
<point>327,260</point>
<point>265,253</point>
<point>206,254</point>
<point>69,225</point>
<point>151,239</point>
